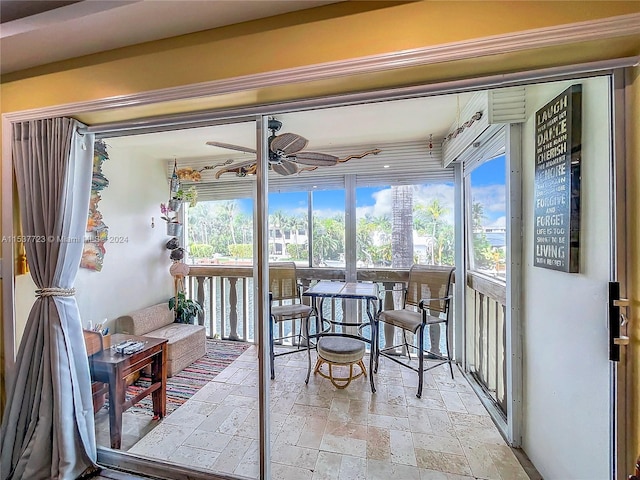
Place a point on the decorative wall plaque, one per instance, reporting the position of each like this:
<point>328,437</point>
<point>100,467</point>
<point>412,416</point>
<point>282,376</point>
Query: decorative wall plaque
<point>557,182</point>
<point>97,232</point>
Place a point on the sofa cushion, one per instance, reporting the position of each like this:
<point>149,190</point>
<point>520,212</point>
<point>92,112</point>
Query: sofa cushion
<point>146,320</point>
<point>182,338</point>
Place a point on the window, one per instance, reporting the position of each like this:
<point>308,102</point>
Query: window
<point>487,218</point>
<point>426,227</point>
<point>288,213</point>
<point>220,231</point>
<point>328,228</point>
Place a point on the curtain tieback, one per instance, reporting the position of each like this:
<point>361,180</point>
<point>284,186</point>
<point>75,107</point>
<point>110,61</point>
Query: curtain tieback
<point>55,292</point>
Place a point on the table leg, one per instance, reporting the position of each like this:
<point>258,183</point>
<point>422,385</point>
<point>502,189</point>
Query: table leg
<point>116,399</point>
<point>159,374</point>
<point>374,342</point>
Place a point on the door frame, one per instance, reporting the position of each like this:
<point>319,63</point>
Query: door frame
<point>622,443</point>
<point>520,78</point>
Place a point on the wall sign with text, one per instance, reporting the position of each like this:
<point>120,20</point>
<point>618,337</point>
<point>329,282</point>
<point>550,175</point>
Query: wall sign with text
<point>557,182</point>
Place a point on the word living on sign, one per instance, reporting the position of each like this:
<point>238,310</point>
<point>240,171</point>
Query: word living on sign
<point>558,145</point>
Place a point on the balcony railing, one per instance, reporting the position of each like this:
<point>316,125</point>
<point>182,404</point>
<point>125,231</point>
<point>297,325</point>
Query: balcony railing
<point>486,335</point>
<point>225,293</point>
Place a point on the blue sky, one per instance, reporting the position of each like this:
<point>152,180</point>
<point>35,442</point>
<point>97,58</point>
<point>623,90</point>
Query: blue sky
<point>487,187</point>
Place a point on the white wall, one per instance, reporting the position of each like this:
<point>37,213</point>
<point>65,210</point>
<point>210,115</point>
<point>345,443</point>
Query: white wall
<point>135,273</point>
<point>566,427</point>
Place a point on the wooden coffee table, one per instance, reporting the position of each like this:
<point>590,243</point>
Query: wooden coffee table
<point>112,368</point>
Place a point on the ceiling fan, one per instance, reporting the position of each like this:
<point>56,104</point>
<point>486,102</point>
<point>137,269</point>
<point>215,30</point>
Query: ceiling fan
<point>286,155</point>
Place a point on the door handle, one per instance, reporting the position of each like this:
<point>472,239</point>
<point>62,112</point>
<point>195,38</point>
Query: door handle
<point>616,320</point>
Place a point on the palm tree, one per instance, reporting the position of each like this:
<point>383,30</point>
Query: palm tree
<point>477,215</point>
<point>402,226</point>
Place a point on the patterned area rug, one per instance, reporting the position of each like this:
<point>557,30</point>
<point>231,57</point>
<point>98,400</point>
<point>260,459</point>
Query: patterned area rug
<point>184,384</point>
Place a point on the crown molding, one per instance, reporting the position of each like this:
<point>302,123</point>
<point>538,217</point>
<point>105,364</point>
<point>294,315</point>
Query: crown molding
<point>494,45</point>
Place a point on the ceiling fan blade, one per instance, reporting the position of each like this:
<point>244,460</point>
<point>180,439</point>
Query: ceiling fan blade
<point>316,159</point>
<point>285,167</point>
<point>288,143</point>
<point>240,169</point>
<point>230,146</point>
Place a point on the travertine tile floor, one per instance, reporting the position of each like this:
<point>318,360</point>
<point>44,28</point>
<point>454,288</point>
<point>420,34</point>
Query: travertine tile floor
<point>319,432</point>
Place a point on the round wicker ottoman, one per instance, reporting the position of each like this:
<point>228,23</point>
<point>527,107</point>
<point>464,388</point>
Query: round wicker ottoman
<point>340,351</point>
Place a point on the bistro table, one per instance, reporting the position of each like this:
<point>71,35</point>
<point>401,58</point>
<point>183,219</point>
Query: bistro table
<point>347,290</point>
<point>112,368</point>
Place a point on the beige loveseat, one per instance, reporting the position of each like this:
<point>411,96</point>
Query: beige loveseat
<point>187,343</point>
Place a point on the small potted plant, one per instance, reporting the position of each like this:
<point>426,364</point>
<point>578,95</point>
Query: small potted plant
<point>186,310</point>
<point>169,215</point>
<point>190,195</point>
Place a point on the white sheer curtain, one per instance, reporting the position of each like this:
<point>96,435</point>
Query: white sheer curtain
<point>47,428</point>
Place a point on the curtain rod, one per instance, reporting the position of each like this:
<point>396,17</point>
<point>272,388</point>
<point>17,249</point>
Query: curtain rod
<point>213,117</point>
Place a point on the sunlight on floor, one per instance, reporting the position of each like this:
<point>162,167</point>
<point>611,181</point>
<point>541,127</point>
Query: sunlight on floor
<point>319,432</point>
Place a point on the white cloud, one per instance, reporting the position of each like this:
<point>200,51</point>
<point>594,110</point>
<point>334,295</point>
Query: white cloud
<point>500,222</point>
<point>493,199</point>
<point>422,194</point>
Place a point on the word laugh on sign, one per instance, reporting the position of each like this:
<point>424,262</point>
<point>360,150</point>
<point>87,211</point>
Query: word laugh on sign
<point>557,182</point>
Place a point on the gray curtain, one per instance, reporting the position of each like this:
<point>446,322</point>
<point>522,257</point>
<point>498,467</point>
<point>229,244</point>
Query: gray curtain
<point>47,428</point>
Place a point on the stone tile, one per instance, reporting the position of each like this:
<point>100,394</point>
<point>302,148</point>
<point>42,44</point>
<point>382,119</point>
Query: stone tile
<point>165,438</point>
<point>327,466</point>
<point>249,465</point>
<point>307,411</point>
<point>353,468</point>
<point>388,422</point>
<point>287,472</point>
<point>277,421</point>
<point>238,377</point>
<point>250,427</point>
<point>506,462</point>
<point>312,432</point>
<point>190,414</point>
<point>234,421</point>
<point>339,411</point>
<point>304,398</point>
<point>305,458</point>
<point>230,458</point>
<point>215,419</point>
<point>351,430</point>
<point>212,441</point>
<point>437,443</point>
<point>381,408</point>
<point>453,402</point>
<point>383,470</point>
<point>402,450</point>
<point>431,398</point>
<point>426,474</point>
<point>443,462</point>
<point>193,457</point>
<point>358,411</point>
<point>418,420</point>
<point>472,404</point>
<point>320,432</point>
<point>441,423</point>
<point>378,443</point>
<point>480,462</point>
<point>291,430</point>
<point>344,445</point>
<point>213,392</point>
<point>238,400</point>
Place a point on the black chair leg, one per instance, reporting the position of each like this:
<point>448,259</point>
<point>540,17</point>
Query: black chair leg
<point>271,352</point>
<point>446,332</point>
<point>420,359</point>
<point>406,344</point>
<point>306,323</point>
